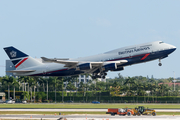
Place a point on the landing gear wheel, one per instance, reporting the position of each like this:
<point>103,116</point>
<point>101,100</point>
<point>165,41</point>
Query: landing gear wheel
<point>97,76</point>
<point>160,64</point>
<point>93,77</point>
<point>103,77</point>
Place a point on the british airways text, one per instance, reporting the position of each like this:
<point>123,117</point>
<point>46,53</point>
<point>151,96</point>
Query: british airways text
<point>133,50</point>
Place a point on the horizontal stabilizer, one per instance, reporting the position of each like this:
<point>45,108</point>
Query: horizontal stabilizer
<point>50,59</point>
<point>21,71</point>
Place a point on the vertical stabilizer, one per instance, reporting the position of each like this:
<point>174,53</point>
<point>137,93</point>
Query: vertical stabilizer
<point>20,59</point>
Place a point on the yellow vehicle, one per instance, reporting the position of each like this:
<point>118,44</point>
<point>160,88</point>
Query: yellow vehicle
<point>142,111</point>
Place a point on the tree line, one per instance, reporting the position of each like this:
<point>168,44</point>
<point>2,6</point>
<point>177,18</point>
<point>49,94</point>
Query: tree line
<point>53,88</point>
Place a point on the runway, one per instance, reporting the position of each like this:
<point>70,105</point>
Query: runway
<point>84,116</point>
<point>87,117</point>
<point>76,110</point>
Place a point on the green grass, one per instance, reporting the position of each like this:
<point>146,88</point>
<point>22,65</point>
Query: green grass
<point>89,105</point>
<point>85,105</point>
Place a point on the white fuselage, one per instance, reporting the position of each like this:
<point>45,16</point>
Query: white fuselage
<point>133,54</point>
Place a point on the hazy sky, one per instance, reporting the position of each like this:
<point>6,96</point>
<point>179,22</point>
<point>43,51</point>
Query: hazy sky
<point>78,28</point>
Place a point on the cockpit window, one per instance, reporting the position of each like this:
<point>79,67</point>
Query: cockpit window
<point>161,42</point>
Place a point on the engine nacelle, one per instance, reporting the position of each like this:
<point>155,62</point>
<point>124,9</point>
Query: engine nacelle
<point>84,66</point>
<point>110,66</point>
<point>118,69</point>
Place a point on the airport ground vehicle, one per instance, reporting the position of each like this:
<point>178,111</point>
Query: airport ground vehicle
<point>10,101</point>
<point>121,111</point>
<point>141,110</point>
<point>95,102</point>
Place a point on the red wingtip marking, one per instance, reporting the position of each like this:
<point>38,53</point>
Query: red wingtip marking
<point>21,62</point>
<point>145,56</point>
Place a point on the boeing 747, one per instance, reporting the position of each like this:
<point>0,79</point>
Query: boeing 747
<point>97,65</point>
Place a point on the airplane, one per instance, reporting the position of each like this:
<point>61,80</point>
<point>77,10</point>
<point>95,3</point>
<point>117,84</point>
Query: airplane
<point>96,65</point>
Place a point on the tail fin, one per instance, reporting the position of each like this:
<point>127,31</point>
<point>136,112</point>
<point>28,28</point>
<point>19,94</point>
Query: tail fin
<point>20,59</point>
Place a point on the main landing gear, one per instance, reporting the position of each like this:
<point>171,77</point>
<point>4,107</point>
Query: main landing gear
<point>103,75</point>
<point>160,64</point>
<point>99,75</point>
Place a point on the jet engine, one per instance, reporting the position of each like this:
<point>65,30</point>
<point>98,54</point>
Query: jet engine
<point>84,66</point>
<point>118,69</point>
<point>110,66</point>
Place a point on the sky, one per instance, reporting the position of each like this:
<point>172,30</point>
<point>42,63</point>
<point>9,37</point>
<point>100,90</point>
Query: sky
<point>79,28</point>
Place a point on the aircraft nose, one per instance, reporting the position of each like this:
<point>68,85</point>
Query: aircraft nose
<point>173,48</point>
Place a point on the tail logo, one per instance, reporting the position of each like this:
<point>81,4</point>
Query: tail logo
<point>13,54</point>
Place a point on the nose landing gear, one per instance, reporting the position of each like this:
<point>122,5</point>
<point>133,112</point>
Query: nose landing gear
<point>160,64</point>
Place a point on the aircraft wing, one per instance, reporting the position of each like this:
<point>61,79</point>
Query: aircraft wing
<point>21,71</point>
<point>118,62</point>
<point>83,65</point>
<point>67,63</point>
<point>99,64</point>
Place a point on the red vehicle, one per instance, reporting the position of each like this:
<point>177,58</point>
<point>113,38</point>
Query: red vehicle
<point>121,111</point>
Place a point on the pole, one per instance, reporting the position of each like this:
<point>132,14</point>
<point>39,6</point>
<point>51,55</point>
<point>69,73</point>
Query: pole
<point>47,90</point>
<point>34,93</point>
<point>14,93</point>
<point>31,93</point>
<point>55,90</point>
<point>62,92</point>
<point>28,91</point>
<point>174,81</point>
<point>22,87</point>
<point>8,93</point>
<point>25,86</point>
